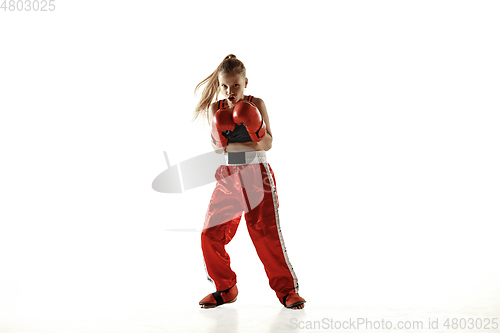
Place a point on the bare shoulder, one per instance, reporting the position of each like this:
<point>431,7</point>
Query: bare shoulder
<point>211,111</point>
<point>259,103</point>
<point>213,108</point>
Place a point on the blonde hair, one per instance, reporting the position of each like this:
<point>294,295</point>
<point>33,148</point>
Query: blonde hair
<point>229,65</point>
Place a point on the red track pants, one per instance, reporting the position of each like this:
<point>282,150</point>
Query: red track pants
<point>248,189</point>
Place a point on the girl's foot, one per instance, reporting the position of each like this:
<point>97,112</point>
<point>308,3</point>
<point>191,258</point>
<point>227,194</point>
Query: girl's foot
<point>219,297</point>
<point>293,301</point>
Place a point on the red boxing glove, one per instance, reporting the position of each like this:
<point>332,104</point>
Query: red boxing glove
<point>247,113</point>
<point>221,122</point>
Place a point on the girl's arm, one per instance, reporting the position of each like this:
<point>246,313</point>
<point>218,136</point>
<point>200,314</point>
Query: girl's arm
<point>267,142</point>
<point>211,111</point>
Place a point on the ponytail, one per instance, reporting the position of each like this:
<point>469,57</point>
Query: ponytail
<point>230,64</point>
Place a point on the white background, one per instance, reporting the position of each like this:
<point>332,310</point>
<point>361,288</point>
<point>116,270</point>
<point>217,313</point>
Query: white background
<point>385,118</point>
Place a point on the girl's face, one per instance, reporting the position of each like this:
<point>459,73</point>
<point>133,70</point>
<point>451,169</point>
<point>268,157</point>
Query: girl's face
<point>232,86</point>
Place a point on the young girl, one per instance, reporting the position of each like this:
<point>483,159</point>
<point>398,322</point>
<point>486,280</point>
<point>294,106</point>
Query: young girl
<point>246,184</point>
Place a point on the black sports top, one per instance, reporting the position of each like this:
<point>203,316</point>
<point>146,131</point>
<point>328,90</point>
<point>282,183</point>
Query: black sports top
<point>240,133</point>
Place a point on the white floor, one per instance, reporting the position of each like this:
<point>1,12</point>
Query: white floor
<point>152,288</point>
<point>246,315</point>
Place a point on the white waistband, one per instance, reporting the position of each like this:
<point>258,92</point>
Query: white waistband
<point>248,157</point>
